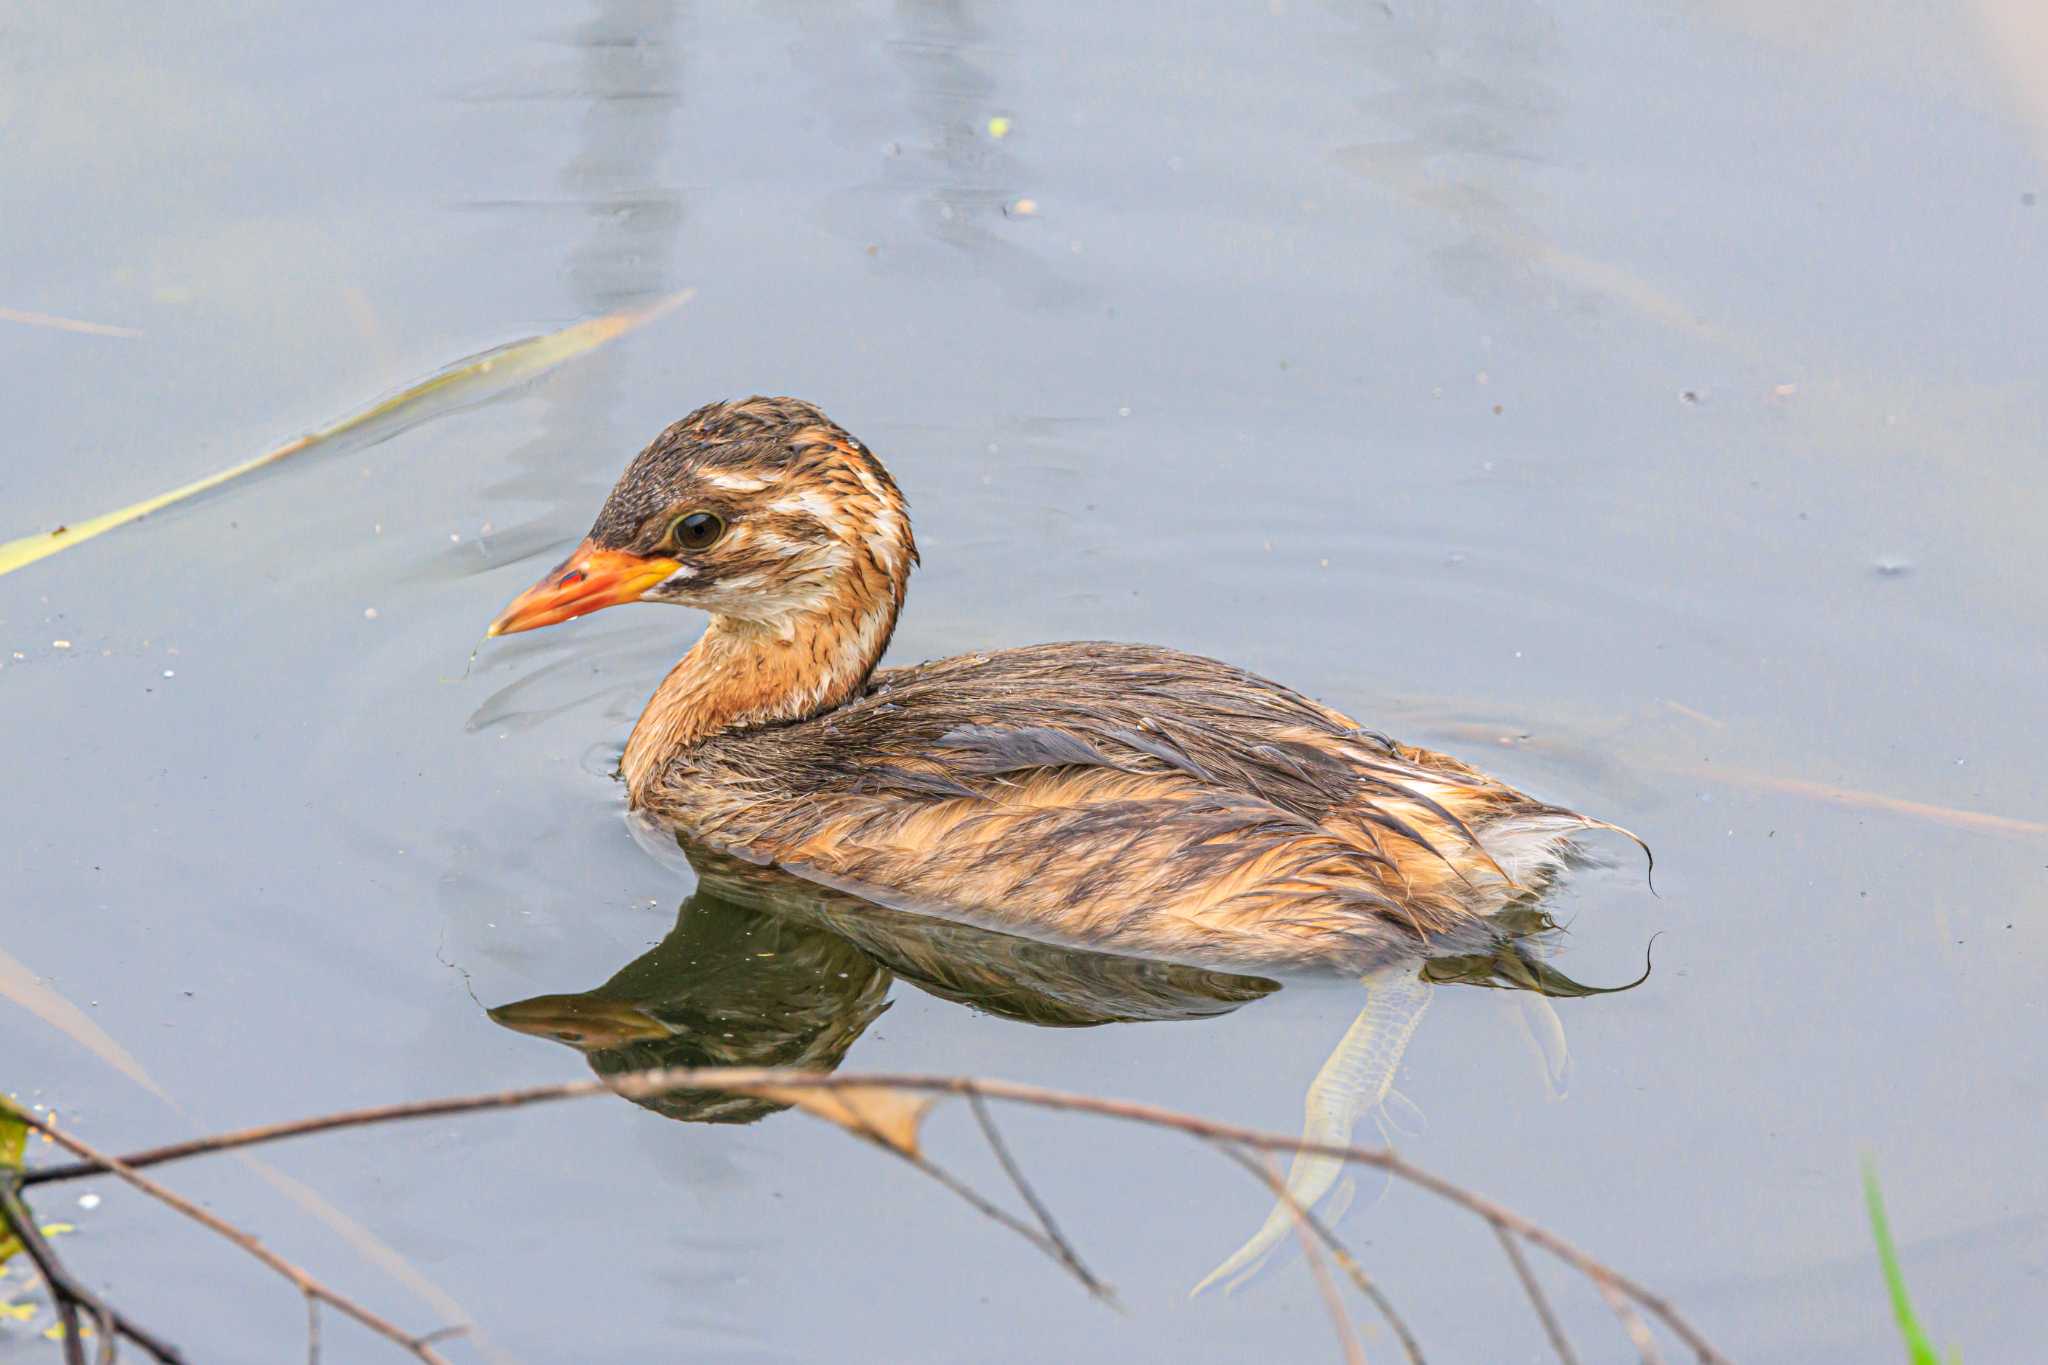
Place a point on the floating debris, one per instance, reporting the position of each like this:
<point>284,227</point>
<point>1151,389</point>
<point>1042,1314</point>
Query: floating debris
<point>1892,566</point>
<point>98,329</point>
<point>461,385</point>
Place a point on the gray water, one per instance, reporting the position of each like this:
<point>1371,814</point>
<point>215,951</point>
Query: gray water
<point>1645,402</point>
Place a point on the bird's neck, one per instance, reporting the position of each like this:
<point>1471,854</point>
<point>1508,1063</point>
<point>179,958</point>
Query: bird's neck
<point>743,674</point>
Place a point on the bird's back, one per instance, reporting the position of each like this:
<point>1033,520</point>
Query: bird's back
<point>1126,796</point>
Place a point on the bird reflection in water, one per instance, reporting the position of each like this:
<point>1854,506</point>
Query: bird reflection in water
<point>764,969</point>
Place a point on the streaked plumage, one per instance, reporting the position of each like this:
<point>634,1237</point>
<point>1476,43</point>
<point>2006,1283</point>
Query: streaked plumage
<point>1126,796</point>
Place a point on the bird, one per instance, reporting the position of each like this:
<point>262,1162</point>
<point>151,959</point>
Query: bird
<point>1130,798</point>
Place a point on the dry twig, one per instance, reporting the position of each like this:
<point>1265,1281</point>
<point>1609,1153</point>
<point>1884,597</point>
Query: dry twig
<point>67,1296</point>
<point>1624,1293</point>
<point>1065,1249</point>
<point>305,1283</point>
<point>1632,1323</point>
<point>70,1296</point>
<point>1319,1271</point>
<point>1639,1331</point>
<point>993,1212</point>
<point>1552,1328</point>
<point>1365,1284</point>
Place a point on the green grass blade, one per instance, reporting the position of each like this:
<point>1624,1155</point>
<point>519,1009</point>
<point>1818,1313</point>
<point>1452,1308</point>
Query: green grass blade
<point>1919,1351</point>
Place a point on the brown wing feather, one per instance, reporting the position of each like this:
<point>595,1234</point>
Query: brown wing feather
<point>1118,794</point>
<point>1140,862</point>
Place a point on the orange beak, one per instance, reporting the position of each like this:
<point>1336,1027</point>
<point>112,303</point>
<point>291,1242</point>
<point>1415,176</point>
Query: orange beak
<point>590,579</point>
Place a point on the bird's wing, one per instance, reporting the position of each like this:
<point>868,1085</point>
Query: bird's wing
<point>1153,863</point>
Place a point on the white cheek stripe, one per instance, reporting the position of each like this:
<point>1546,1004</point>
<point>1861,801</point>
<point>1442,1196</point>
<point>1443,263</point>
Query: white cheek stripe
<point>736,483</point>
<point>812,503</point>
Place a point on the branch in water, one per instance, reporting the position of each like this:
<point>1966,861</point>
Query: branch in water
<point>1552,1328</point>
<point>1313,1243</point>
<point>305,1283</point>
<point>1632,1323</point>
<point>69,1295</point>
<point>1338,1251</point>
<point>1067,1255</point>
<point>1615,1286</point>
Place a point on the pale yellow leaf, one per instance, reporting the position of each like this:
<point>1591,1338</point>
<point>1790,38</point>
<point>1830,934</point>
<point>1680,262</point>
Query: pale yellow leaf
<point>888,1116</point>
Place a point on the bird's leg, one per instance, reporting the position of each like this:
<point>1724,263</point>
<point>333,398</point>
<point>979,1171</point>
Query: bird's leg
<point>1357,1079</point>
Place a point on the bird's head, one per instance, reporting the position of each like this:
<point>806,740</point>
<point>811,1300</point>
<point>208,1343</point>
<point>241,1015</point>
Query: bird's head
<point>763,512</point>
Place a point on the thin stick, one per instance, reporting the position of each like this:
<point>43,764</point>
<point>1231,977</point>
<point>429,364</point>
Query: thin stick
<point>745,1078</point>
<point>856,1122</point>
<point>312,1330</point>
<point>1552,1328</point>
<point>273,1132</point>
<point>1039,1210</point>
<point>66,1294</point>
<point>69,1293</point>
<point>1611,1282</point>
<point>1319,1270</point>
<point>67,1315</point>
<point>1326,1288</point>
<point>1365,1284</point>
<point>306,1284</point>
<point>980,1204</point>
<point>1632,1323</point>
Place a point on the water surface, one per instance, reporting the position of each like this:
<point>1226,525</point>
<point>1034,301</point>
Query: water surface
<point>1646,402</point>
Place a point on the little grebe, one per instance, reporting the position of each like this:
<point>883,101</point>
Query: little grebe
<point>1124,796</point>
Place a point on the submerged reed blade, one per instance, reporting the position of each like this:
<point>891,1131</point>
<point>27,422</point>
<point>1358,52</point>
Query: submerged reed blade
<point>27,989</point>
<point>463,384</point>
<point>62,324</point>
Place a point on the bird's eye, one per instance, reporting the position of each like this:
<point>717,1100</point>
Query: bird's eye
<point>698,530</point>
